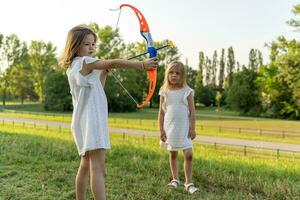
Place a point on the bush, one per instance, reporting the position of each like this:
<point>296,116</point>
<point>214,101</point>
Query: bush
<point>243,94</point>
<point>57,92</point>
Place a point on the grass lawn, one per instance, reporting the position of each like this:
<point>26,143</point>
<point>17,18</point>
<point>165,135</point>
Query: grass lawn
<point>39,164</point>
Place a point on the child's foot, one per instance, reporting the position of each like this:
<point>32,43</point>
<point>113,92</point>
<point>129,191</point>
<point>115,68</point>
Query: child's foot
<point>174,184</point>
<point>191,188</point>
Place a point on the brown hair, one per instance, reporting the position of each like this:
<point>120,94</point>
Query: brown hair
<point>74,39</point>
<point>181,67</point>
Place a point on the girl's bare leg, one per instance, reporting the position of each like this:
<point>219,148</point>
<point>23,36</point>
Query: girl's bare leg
<point>97,159</point>
<point>188,159</point>
<point>82,177</point>
<point>174,164</point>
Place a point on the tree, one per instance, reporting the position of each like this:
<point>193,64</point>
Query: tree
<point>273,90</point>
<point>207,71</point>
<point>1,43</point>
<point>230,65</point>
<point>4,86</point>
<point>191,74</point>
<point>1,73</point>
<point>238,66</point>
<point>252,60</point>
<point>109,43</point>
<point>214,69</point>
<point>12,53</point>
<point>42,59</point>
<point>21,83</point>
<point>57,91</point>
<point>199,78</point>
<point>280,80</point>
<point>255,59</point>
<point>1,40</point>
<point>200,69</point>
<point>287,77</point>
<point>259,58</point>
<point>243,94</point>
<point>295,22</point>
<point>207,96</point>
<point>221,71</point>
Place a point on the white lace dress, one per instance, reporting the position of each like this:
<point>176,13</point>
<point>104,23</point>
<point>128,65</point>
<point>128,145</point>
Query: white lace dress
<point>176,119</point>
<point>90,115</point>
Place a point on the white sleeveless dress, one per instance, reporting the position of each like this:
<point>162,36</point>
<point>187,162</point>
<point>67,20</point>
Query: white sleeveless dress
<point>90,114</point>
<point>176,119</point>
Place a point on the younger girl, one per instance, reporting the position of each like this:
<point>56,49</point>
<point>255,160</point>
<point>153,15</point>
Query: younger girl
<point>177,122</point>
<point>89,125</point>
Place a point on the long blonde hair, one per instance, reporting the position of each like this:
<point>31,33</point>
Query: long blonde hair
<point>181,67</point>
<point>74,39</point>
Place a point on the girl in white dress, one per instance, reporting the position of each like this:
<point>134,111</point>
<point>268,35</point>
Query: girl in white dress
<point>177,122</point>
<point>86,76</point>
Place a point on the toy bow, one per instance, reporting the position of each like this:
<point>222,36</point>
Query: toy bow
<point>151,50</point>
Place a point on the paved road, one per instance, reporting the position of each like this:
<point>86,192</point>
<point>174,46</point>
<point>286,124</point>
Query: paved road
<point>203,139</point>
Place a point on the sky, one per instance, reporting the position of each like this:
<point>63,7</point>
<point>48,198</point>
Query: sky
<point>193,25</point>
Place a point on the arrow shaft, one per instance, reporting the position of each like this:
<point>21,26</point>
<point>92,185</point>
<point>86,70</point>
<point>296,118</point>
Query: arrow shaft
<point>142,54</point>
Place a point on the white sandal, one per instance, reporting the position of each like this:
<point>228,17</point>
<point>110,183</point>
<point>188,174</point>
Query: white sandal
<point>174,183</point>
<point>191,188</point>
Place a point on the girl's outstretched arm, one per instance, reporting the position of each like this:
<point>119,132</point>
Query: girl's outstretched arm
<point>192,132</point>
<point>161,117</point>
<point>118,64</point>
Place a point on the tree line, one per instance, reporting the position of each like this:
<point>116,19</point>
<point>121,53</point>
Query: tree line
<point>256,89</point>
<point>31,71</point>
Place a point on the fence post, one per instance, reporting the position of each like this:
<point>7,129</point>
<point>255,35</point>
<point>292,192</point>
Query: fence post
<point>260,132</point>
<point>59,128</point>
<point>283,134</point>
<point>143,139</point>
<point>215,145</point>
<point>277,153</point>
<point>239,130</point>
<point>123,136</point>
<point>13,123</point>
<point>245,150</point>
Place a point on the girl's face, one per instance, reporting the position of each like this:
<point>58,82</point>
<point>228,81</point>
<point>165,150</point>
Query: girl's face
<point>175,77</point>
<point>87,47</point>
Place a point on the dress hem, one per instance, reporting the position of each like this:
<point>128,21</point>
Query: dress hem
<point>179,149</point>
<point>91,149</point>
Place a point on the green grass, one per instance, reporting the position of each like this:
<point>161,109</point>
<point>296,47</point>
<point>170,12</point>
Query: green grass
<point>38,116</point>
<point>39,164</point>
